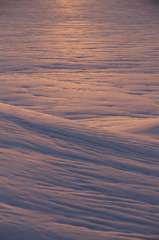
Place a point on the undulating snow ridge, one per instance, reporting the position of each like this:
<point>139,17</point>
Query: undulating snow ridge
<point>75,180</point>
<point>79,120</point>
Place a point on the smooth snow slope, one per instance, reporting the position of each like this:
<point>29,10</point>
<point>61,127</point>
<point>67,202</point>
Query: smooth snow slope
<point>79,120</point>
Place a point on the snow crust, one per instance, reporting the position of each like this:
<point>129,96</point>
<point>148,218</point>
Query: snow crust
<point>79,120</point>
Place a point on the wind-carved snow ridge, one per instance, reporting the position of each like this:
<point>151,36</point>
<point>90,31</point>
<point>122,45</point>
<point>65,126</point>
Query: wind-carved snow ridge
<point>72,181</point>
<point>79,120</point>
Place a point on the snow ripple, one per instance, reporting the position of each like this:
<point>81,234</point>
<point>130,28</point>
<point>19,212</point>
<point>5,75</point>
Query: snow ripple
<point>75,180</point>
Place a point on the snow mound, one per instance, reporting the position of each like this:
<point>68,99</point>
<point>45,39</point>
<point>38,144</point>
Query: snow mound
<point>61,179</point>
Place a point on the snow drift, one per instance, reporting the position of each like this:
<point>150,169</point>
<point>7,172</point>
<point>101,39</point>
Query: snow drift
<point>59,178</point>
<point>79,120</point>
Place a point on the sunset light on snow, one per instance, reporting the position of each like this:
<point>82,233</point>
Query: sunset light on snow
<point>79,119</point>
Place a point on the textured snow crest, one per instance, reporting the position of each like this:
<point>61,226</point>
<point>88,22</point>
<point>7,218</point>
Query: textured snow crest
<point>79,120</point>
<point>75,181</point>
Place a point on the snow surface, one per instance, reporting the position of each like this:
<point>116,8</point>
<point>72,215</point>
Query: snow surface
<point>79,138</point>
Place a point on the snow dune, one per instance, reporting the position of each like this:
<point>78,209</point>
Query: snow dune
<point>79,120</point>
<point>72,181</point>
